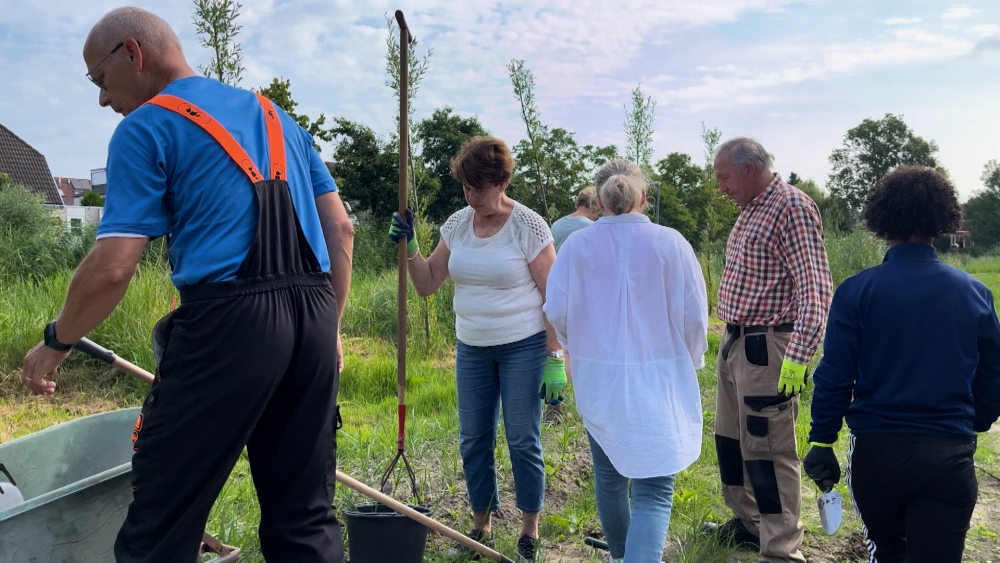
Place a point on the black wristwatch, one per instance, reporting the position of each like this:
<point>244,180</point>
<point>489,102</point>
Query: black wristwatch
<point>52,342</point>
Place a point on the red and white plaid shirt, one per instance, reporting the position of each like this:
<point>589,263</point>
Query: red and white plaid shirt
<point>776,268</point>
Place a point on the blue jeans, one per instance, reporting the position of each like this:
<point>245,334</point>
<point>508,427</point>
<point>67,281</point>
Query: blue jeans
<point>637,533</point>
<point>487,376</point>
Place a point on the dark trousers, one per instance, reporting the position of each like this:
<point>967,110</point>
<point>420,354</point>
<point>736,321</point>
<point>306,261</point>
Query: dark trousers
<point>915,495</point>
<point>258,370</point>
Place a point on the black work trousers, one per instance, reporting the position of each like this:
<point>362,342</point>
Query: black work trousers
<point>915,495</point>
<point>255,369</point>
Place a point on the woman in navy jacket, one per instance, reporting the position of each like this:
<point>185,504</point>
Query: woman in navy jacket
<point>912,360</point>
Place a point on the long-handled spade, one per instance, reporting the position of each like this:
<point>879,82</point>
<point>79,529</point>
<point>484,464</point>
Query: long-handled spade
<point>405,38</point>
<point>103,354</point>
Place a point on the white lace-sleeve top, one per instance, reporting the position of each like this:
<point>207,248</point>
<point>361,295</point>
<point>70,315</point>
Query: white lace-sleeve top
<point>496,299</point>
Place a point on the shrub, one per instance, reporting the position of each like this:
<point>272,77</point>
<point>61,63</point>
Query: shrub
<point>92,199</point>
<point>33,244</point>
<point>851,253</point>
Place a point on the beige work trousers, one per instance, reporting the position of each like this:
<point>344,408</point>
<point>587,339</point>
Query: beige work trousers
<point>755,441</point>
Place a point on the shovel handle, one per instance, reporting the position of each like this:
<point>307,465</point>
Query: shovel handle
<point>102,354</point>
<point>597,544</point>
<point>401,436</point>
<point>438,527</point>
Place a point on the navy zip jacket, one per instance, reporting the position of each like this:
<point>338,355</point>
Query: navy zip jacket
<point>912,347</point>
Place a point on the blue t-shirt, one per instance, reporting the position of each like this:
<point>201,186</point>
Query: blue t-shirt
<point>566,226</point>
<point>168,176</point>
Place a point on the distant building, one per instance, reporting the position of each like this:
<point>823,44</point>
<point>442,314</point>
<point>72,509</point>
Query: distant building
<point>961,239</point>
<point>72,189</point>
<point>27,167</point>
<point>99,181</point>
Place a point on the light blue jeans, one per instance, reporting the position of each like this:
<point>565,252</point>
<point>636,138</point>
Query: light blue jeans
<point>488,376</point>
<point>639,532</point>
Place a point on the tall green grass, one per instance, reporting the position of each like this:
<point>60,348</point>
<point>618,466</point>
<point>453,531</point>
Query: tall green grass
<point>851,253</point>
<point>986,264</point>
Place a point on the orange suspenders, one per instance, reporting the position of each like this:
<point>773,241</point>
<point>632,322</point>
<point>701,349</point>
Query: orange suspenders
<point>275,139</point>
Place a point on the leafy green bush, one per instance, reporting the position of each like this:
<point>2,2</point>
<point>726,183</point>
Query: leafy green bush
<point>92,199</point>
<point>33,244</point>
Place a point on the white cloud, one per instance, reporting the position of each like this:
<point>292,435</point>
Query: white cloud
<point>984,31</point>
<point>587,55</point>
<point>790,63</point>
<point>901,21</point>
<point>959,12</point>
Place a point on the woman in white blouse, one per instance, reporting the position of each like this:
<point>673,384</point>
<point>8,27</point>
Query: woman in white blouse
<point>627,300</point>
<point>498,252</point>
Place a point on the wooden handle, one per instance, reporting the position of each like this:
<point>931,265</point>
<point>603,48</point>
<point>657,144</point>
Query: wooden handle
<point>438,527</point>
<point>134,370</point>
<point>102,354</point>
<point>404,139</point>
<point>402,25</point>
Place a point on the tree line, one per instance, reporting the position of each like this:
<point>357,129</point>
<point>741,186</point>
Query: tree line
<point>552,166</point>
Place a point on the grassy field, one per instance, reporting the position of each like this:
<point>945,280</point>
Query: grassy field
<point>367,441</point>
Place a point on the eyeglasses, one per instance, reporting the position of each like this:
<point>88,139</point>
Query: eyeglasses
<point>100,83</point>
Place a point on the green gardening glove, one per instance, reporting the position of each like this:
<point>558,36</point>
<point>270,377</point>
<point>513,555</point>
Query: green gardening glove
<point>553,381</point>
<point>792,379</point>
<point>398,228</point>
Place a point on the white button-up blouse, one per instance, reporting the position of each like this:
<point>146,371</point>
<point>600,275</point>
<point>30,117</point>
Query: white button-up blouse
<point>627,300</point>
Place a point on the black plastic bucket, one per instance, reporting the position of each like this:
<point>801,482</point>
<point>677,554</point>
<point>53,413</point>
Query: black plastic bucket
<point>378,534</point>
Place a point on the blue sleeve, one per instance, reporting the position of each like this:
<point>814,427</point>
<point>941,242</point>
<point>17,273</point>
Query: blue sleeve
<point>837,372</point>
<point>986,385</point>
<point>137,183</point>
<point>322,181</point>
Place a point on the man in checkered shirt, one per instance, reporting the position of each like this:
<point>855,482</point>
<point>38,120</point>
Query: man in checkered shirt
<point>774,296</point>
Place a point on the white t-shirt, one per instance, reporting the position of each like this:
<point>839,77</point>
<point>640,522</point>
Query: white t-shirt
<point>627,300</point>
<point>496,299</point>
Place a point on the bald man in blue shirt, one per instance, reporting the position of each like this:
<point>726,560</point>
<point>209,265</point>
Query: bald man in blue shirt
<point>260,247</point>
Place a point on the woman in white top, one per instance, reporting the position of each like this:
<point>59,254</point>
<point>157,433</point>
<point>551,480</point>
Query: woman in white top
<point>627,300</point>
<point>498,252</point>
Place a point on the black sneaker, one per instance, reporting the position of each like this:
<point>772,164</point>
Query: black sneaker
<point>527,547</point>
<point>734,533</point>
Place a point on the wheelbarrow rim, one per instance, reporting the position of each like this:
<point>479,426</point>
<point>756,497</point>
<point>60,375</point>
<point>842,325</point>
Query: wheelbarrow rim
<point>65,490</point>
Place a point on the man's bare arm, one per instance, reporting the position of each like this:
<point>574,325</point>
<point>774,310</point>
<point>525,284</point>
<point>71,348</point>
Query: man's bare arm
<point>98,285</point>
<point>339,234</point>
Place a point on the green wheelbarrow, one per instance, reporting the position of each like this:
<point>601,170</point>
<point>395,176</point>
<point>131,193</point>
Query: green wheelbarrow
<point>75,480</point>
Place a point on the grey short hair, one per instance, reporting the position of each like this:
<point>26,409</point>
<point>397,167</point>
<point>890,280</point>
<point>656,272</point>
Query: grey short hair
<point>617,166</point>
<point>144,26</point>
<point>744,150</point>
<point>620,185</point>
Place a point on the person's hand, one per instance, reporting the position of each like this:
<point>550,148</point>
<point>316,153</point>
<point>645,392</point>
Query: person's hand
<point>399,228</point>
<point>553,381</point>
<point>821,466</point>
<point>792,379</point>
<point>40,363</point>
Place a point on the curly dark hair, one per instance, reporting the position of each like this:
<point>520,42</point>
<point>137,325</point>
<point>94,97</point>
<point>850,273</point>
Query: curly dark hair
<point>912,201</point>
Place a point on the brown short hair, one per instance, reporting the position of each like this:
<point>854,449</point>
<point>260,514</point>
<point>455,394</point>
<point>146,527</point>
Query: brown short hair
<point>912,200</point>
<point>482,162</point>
<point>587,198</point>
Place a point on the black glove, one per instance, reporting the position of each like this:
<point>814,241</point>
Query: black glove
<point>821,466</point>
<point>398,228</point>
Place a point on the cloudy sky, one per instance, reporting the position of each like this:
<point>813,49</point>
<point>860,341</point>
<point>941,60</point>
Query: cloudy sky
<point>796,74</point>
